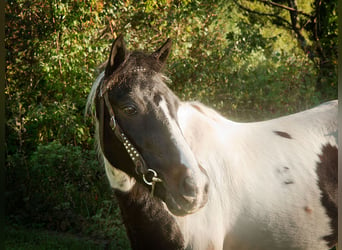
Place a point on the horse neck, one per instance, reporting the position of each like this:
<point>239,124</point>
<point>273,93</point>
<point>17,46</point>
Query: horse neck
<point>149,225</point>
<point>207,134</point>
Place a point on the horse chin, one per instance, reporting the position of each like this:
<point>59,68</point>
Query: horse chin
<point>179,207</point>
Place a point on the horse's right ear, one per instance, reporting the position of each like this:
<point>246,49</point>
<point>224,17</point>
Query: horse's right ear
<point>118,54</point>
<point>163,52</point>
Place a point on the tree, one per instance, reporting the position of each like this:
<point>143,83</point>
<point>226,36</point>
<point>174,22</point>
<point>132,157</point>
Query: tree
<point>314,26</point>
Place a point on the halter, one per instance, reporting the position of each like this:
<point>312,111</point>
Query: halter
<point>136,157</point>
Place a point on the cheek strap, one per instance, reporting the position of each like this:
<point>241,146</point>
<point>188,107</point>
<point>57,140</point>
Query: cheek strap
<point>136,157</point>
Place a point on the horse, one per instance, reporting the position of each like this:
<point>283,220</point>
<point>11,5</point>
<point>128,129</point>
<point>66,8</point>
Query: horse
<point>185,177</point>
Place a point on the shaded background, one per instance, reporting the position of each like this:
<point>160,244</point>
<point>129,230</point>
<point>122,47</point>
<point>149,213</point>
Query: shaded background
<point>250,60</point>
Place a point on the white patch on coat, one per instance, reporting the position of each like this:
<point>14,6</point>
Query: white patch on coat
<point>250,205</point>
<point>118,179</point>
<point>186,156</point>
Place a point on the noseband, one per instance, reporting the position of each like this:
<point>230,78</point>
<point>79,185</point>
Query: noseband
<point>136,157</point>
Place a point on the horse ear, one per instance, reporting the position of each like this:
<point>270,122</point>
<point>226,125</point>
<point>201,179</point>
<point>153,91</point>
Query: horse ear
<point>118,54</point>
<point>163,52</point>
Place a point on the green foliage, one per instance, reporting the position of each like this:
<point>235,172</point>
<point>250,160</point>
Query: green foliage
<point>68,176</point>
<point>107,223</point>
<point>313,24</point>
<point>54,62</point>
<point>59,178</point>
<point>249,79</point>
<point>66,190</point>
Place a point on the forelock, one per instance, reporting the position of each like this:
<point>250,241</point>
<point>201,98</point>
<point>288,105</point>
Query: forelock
<point>138,68</point>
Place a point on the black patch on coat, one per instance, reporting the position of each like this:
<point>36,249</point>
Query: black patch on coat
<point>284,173</point>
<point>157,98</point>
<point>328,183</point>
<point>283,134</point>
<point>148,224</point>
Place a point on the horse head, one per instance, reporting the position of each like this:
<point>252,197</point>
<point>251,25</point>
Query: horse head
<point>139,130</point>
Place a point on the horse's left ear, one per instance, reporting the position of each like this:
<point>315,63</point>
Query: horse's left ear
<point>163,52</point>
<point>118,54</point>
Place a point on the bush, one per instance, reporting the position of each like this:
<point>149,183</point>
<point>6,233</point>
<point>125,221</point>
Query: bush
<point>255,88</point>
<point>65,189</point>
<point>60,179</point>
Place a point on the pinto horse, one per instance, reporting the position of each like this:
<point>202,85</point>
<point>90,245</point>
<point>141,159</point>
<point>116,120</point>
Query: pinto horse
<point>187,178</point>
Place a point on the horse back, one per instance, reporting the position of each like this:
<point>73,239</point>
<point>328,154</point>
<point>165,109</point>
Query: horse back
<point>294,163</point>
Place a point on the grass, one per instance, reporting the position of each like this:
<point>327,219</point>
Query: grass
<point>20,238</point>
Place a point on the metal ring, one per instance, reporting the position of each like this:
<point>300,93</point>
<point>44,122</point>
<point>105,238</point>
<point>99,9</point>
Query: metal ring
<point>112,119</point>
<point>150,183</point>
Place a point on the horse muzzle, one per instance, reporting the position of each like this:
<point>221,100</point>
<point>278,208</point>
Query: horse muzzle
<point>187,192</point>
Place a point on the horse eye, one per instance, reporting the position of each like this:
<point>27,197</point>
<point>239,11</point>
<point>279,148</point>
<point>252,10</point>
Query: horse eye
<point>130,110</point>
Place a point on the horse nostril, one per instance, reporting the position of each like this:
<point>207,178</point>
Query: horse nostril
<point>188,188</point>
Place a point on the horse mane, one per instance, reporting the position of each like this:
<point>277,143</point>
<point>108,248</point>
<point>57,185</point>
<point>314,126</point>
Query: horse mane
<point>117,178</point>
